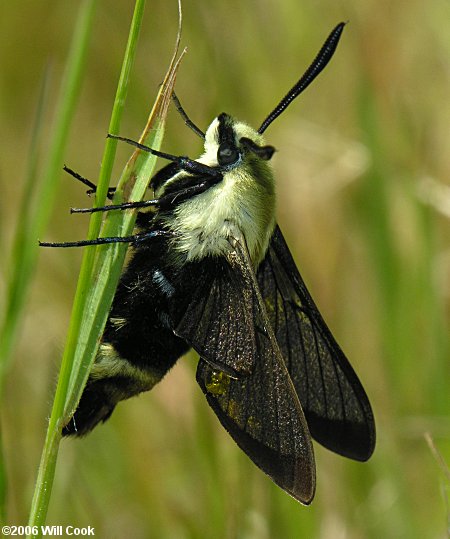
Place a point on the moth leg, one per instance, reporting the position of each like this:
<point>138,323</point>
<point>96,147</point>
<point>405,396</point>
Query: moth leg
<point>135,238</point>
<point>123,206</point>
<point>92,187</point>
<point>183,162</point>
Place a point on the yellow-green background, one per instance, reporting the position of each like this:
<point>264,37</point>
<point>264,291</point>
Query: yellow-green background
<point>363,172</point>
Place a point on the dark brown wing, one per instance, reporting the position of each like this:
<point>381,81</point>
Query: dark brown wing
<point>218,313</point>
<point>260,410</point>
<point>335,404</point>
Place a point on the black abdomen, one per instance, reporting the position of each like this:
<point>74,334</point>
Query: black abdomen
<point>138,345</point>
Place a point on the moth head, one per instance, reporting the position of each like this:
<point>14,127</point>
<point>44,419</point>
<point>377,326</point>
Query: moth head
<point>229,143</point>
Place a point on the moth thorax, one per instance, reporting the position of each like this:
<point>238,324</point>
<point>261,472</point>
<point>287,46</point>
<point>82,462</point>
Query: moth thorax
<point>242,203</point>
<point>239,205</point>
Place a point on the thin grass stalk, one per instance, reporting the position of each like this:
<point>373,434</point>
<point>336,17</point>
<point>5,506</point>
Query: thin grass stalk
<point>101,267</point>
<point>46,472</point>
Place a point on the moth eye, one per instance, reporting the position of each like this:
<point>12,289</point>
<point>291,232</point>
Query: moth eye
<point>227,154</point>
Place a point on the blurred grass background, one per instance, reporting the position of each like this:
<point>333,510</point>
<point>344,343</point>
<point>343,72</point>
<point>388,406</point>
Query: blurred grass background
<point>363,174</point>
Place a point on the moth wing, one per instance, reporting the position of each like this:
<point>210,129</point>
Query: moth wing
<point>335,404</point>
<point>218,315</point>
<point>261,411</point>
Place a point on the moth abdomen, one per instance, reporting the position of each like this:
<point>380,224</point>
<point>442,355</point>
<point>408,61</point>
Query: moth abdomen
<point>111,380</point>
<point>97,404</point>
<point>138,345</point>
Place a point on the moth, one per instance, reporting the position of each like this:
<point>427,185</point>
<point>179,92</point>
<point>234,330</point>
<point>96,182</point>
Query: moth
<point>211,270</point>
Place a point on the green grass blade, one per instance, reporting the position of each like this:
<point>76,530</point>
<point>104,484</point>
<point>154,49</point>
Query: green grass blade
<point>108,260</point>
<point>101,268</point>
<point>74,340</point>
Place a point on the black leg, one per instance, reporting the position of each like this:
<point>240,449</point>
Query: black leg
<point>189,165</point>
<point>124,206</point>
<point>92,187</point>
<point>136,238</point>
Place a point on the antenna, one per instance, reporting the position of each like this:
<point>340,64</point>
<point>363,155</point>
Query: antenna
<point>319,63</point>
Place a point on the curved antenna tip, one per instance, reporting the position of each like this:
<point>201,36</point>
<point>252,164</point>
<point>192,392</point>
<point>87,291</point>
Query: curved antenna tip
<point>319,63</point>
